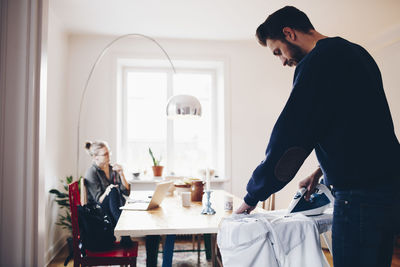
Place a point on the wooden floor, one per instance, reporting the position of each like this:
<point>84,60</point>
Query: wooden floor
<point>328,256</point>
<point>58,261</point>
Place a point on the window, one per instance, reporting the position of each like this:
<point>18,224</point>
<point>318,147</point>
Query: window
<point>186,145</point>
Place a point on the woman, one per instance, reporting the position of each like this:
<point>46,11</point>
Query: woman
<point>106,184</point>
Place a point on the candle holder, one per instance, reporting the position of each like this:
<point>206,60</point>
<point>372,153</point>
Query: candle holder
<point>207,204</point>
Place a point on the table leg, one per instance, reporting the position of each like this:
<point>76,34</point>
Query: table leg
<point>198,247</point>
<point>213,249</point>
<point>168,250</point>
<point>207,245</point>
<point>152,244</point>
<point>327,241</point>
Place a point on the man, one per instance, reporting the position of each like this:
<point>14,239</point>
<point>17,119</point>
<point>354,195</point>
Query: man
<point>337,107</point>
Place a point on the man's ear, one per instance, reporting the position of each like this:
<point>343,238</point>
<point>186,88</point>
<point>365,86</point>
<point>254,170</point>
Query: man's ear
<point>289,33</point>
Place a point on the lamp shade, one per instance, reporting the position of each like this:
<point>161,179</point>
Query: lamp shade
<point>183,106</point>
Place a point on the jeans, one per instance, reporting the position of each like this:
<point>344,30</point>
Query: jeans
<point>365,223</point>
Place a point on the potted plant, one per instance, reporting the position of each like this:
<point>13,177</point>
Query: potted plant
<point>64,218</point>
<point>157,168</point>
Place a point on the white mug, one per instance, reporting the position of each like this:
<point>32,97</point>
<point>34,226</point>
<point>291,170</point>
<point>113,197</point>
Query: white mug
<point>186,198</point>
<point>228,202</point>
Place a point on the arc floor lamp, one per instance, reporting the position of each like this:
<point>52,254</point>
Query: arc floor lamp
<point>177,106</point>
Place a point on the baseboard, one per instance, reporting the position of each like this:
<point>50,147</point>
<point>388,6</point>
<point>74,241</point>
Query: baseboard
<point>55,249</point>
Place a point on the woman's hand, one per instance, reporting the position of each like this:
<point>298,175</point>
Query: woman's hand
<point>108,189</point>
<point>106,192</point>
<point>118,168</point>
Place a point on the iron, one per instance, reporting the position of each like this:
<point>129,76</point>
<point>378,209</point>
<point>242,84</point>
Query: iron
<point>319,201</point>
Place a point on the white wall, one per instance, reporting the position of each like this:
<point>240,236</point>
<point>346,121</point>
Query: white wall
<point>388,59</point>
<point>386,50</point>
<point>59,157</point>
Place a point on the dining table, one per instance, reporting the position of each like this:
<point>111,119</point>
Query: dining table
<point>172,218</point>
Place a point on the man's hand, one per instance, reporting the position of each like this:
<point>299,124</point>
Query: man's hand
<point>310,183</point>
<point>244,208</point>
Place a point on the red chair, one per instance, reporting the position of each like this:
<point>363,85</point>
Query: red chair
<point>116,256</point>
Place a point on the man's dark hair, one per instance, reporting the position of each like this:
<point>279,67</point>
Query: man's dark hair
<point>287,16</point>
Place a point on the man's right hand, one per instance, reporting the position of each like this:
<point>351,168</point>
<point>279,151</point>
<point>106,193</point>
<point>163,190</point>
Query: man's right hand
<point>310,183</point>
<point>244,208</point>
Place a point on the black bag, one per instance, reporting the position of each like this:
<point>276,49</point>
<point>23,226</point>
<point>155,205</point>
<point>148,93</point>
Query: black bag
<point>96,229</point>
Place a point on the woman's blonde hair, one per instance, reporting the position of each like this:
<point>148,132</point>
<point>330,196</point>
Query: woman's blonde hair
<point>93,147</point>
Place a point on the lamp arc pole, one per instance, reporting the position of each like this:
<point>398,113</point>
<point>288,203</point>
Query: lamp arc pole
<point>99,57</point>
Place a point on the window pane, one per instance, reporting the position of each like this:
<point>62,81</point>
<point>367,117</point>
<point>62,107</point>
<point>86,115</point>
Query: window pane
<point>147,94</point>
<point>146,119</point>
<point>146,84</point>
<point>146,123</point>
<point>192,138</point>
<point>198,85</point>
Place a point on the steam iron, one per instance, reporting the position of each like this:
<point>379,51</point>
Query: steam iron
<point>319,201</point>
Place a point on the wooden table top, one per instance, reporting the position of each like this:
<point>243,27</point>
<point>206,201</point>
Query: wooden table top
<point>172,218</point>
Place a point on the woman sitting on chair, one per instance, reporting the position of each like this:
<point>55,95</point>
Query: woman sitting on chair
<point>106,183</point>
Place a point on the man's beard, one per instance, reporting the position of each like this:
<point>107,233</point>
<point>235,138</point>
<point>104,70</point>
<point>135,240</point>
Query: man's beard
<point>296,53</point>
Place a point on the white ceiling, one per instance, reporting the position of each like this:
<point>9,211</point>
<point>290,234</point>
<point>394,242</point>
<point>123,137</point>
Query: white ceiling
<point>221,19</point>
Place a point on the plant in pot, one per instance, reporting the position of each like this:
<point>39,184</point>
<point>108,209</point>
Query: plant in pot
<point>157,168</point>
<point>64,217</point>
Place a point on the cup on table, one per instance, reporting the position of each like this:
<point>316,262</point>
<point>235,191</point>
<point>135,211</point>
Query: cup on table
<point>186,198</point>
<point>228,202</point>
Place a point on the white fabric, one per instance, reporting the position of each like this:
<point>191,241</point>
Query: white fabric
<point>242,239</point>
<point>270,239</point>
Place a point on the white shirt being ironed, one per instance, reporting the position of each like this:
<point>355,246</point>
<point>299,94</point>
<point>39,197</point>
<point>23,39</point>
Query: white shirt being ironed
<point>270,239</point>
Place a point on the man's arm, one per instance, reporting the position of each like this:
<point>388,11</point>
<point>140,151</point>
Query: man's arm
<point>303,122</point>
<point>309,183</point>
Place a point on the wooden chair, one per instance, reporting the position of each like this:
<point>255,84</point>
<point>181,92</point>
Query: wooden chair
<point>269,204</point>
<point>116,256</point>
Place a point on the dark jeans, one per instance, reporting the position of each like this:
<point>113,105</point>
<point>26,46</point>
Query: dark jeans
<point>364,227</point>
<point>111,205</point>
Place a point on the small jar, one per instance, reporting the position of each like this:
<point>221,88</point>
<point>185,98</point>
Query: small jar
<point>197,190</point>
<point>228,202</point>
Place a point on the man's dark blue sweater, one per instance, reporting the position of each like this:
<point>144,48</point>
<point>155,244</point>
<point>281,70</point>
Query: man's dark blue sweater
<point>337,107</point>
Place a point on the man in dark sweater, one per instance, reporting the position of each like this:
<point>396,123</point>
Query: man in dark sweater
<point>337,107</point>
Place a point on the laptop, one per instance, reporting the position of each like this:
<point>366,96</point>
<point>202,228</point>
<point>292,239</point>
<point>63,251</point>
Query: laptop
<point>146,200</point>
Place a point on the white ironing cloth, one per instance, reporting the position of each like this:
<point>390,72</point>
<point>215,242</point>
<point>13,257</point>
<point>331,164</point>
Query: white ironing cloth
<point>271,239</point>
